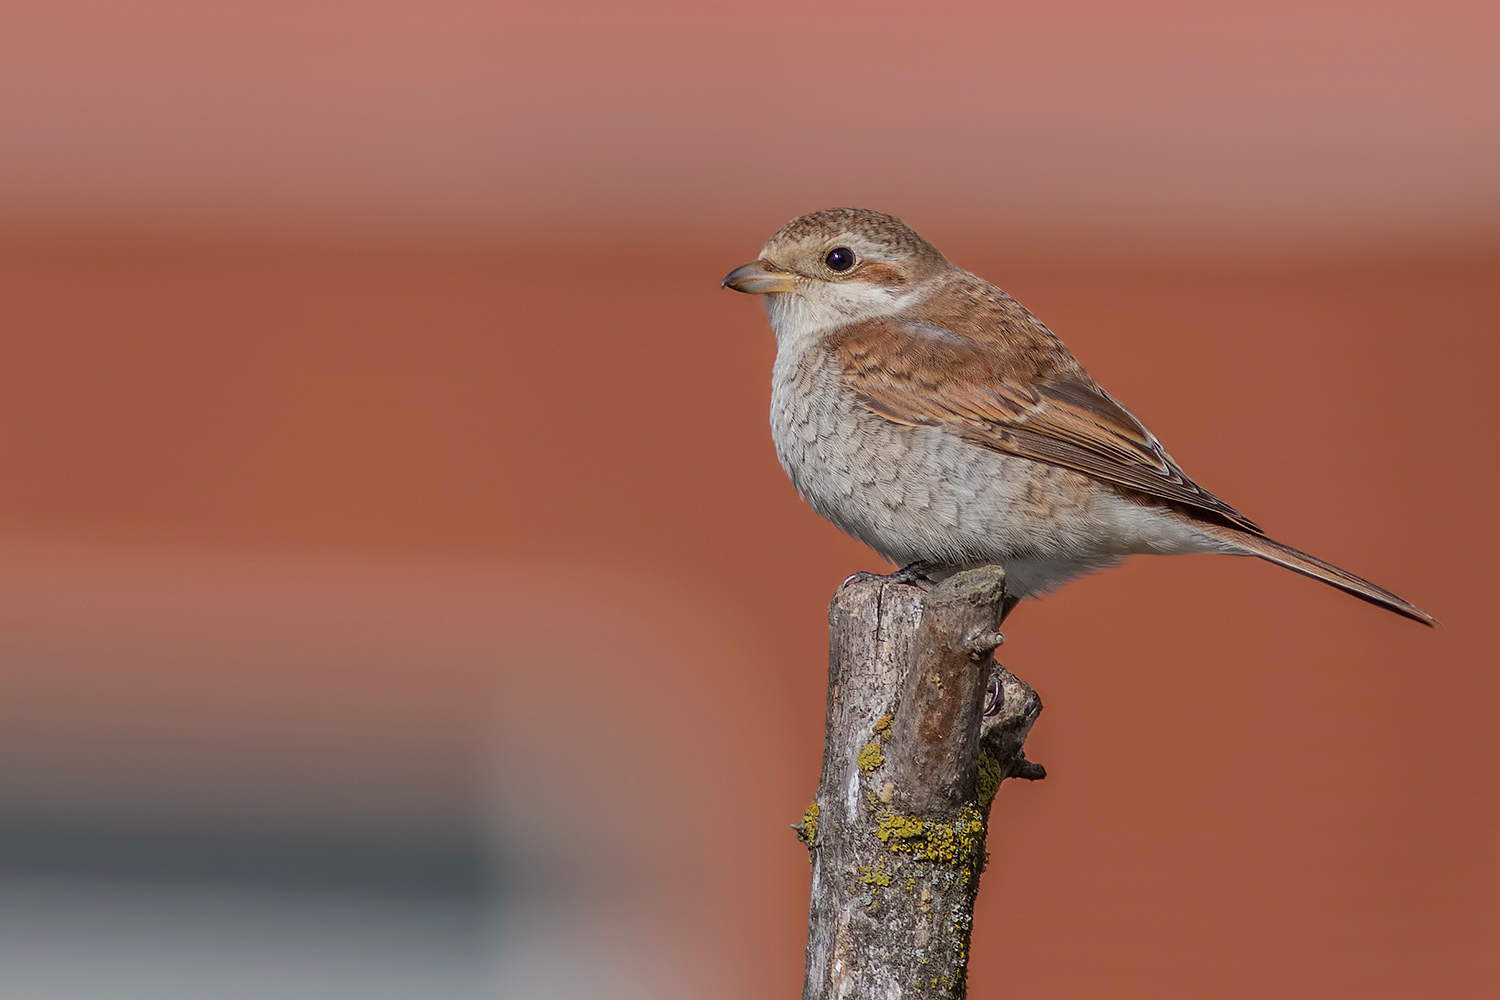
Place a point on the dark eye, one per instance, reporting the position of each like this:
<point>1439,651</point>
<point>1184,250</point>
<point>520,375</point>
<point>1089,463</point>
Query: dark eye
<point>839,259</point>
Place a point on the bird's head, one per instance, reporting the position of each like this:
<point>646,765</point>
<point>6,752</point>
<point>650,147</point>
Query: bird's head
<point>838,266</point>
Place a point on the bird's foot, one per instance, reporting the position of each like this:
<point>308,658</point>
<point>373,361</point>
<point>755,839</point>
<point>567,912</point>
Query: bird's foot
<point>920,574</point>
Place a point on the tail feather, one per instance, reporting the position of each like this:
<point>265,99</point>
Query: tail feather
<point>1301,562</point>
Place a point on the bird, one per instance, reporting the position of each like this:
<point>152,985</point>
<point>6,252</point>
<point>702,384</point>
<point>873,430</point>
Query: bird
<point>930,415</point>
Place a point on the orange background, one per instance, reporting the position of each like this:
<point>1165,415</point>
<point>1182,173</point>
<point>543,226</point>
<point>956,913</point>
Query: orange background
<point>401,596</point>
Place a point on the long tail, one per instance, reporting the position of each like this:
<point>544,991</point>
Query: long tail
<point>1301,562</point>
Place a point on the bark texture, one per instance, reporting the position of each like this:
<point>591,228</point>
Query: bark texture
<point>923,726</point>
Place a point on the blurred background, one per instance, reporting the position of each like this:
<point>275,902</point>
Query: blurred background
<point>401,597</point>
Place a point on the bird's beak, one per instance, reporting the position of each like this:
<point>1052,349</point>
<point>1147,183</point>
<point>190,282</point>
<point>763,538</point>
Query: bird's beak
<point>758,278</point>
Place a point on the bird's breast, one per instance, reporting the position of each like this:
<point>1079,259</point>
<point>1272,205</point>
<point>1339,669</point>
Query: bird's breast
<point>923,492</point>
<point>911,492</point>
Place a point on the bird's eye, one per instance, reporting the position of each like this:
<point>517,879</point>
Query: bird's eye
<point>839,259</point>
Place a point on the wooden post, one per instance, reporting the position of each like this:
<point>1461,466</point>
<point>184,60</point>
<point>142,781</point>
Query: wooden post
<point>923,725</point>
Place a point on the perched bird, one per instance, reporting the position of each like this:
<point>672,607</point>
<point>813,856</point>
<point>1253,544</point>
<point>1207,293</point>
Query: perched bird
<point>930,415</point>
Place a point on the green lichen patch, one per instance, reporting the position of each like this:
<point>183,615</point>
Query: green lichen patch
<point>990,776</point>
<point>870,757</point>
<point>883,727</point>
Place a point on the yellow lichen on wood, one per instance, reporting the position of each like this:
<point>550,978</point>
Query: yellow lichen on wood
<point>898,828</point>
<point>807,830</point>
<point>959,844</point>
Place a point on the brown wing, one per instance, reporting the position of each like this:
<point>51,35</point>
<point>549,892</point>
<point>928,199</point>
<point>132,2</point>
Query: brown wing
<point>1013,388</point>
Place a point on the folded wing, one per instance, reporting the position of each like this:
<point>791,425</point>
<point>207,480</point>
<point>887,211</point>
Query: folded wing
<point>985,390</point>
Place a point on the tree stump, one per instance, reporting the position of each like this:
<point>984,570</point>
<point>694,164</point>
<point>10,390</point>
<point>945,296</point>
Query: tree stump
<point>923,726</point>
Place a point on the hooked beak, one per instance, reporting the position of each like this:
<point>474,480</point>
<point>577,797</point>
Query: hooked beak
<point>759,278</point>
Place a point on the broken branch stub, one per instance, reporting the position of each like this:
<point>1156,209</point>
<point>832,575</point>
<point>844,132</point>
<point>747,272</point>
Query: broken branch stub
<point>922,727</point>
